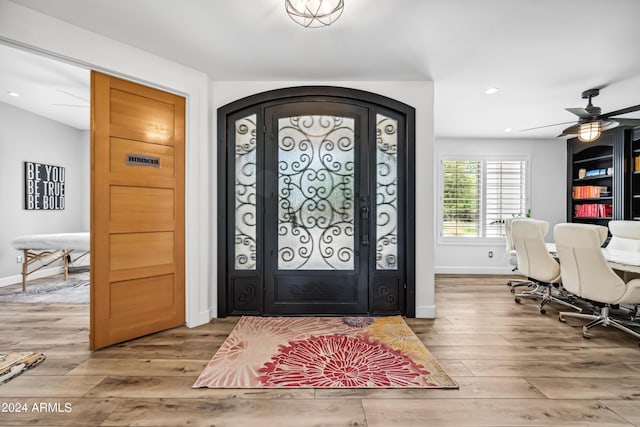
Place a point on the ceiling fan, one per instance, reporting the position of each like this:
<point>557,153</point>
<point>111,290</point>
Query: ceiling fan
<point>591,121</point>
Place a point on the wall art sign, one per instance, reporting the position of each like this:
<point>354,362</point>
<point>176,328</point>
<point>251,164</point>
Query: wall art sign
<point>44,186</point>
<point>142,160</point>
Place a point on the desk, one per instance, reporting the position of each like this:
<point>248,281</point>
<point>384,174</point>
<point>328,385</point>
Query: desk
<point>617,259</point>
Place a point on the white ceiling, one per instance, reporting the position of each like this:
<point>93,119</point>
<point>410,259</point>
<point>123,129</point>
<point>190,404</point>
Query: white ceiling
<point>541,54</point>
<point>46,87</point>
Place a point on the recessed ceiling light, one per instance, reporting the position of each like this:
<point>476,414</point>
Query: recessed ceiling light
<point>491,90</point>
<point>15,94</point>
<point>508,129</point>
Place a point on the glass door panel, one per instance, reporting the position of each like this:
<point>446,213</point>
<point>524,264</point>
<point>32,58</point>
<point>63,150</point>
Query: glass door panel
<point>316,159</point>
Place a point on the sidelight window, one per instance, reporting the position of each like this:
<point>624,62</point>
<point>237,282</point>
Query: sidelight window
<point>245,193</point>
<point>386,193</point>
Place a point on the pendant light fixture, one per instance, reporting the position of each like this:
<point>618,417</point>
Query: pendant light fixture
<point>314,13</point>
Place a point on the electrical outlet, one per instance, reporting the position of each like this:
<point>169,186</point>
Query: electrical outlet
<point>490,254</point>
<point>19,259</point>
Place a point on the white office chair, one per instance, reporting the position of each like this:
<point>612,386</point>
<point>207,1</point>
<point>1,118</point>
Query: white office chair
<point>585,273</point>
<point>535,262</point>
<point>625,235</point>
<point>512,255</point>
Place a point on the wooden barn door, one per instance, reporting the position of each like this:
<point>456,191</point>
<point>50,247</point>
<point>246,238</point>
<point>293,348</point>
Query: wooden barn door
<point>137,210</point>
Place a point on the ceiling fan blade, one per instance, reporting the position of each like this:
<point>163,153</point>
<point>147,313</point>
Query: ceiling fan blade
<point>546,126</point>
<point>580,112</point>
<point>571,130</point>
<point>70,105</point>
<point>621,112</point>
<point>628,122</point>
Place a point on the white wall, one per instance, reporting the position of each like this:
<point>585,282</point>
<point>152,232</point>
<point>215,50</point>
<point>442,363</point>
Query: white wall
<point>28,137</point>
<point>23,27</point>
<point>418,94</point>
<point>547,199</point>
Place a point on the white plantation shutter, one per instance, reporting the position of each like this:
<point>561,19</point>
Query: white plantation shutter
<point>462,205</point>
<point>478,195</point>
<point>504,194</point>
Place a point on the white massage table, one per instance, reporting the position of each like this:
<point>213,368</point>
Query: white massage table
<point>49,248</point>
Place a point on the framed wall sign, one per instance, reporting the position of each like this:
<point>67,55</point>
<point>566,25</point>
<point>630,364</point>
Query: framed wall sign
<point>44,186</point>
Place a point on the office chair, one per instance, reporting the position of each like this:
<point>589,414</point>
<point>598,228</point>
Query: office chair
<point>535,262</point>
<point>625,235</point>
<point>586,273</point>
<point>512,255</point>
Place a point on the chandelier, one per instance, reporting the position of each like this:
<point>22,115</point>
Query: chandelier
<point>314,13</point>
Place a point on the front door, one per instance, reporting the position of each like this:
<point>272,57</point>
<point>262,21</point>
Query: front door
<point>314,208</point>
<point>317,209</point>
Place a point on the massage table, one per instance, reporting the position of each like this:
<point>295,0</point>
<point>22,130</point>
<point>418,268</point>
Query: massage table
<point>49,248</point>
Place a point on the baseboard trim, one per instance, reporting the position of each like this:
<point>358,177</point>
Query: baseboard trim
<point>45,272</point>
<point>473,270</point>
<point>202,318</point>
<point>426,311</point>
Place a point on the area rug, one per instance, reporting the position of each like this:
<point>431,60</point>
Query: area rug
<point>323,352</point>
<point>53,290</point>
<point>13,364</point>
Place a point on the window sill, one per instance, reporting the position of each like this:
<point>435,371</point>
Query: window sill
<point>471,241</point>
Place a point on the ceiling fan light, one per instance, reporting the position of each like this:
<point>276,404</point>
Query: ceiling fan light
<point>314,13</point>
<point>589,131</point>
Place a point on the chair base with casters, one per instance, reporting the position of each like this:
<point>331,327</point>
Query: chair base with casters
<point>516,283</point>
<point>601,318</point>
<point>543,291</point>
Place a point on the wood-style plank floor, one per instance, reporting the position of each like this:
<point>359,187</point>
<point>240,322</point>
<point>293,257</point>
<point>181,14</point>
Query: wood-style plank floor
<point>515,367</point>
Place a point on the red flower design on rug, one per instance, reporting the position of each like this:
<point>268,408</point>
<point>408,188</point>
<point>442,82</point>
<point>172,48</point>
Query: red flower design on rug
<point>340,361</point>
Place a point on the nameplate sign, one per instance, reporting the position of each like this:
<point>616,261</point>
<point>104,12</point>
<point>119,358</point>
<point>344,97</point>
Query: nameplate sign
<point>140,160</point>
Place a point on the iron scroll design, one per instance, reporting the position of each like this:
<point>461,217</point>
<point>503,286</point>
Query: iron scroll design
<point>316,193</point>
<point>245,193</point>
<point>386,193</point>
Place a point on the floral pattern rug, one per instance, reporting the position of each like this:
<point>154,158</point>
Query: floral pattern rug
<point>323,352</point>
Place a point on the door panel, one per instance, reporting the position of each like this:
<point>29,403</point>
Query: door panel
<point>142,208</point>
<point>137,211</point>
<point>316,185</point>
<point>122,148</point>
<point>142,116</point>
<point>139,250</point>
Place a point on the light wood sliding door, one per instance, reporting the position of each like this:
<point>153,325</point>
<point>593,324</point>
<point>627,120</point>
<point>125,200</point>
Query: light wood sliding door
<point>137,210</point>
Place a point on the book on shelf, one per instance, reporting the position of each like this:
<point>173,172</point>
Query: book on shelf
<point>636,164</point>
<point>590,192</point>
<point>594,173</point>
<point>593,210</point>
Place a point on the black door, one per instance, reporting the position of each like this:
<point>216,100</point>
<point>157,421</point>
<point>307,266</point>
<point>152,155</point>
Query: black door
<point>314,204</point>
<point>317,209</point>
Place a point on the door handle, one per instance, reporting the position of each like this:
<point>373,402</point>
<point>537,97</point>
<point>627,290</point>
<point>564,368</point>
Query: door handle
<point>364,225</point>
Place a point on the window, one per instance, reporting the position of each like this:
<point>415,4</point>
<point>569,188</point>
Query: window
<point>478,194</point>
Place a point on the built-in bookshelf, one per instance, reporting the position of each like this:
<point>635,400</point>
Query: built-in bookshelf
<point>635,176</point>
<point>592,183</point>
<point>603,177</point>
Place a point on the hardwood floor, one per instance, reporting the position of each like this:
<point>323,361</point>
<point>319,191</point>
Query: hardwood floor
<point>515,367</point>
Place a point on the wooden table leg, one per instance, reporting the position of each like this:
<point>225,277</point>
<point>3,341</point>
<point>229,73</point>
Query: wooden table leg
<point>25,265</point>
<point>66,265</point>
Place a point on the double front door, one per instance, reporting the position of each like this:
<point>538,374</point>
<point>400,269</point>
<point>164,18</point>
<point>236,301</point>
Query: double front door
<point>317,219</point>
